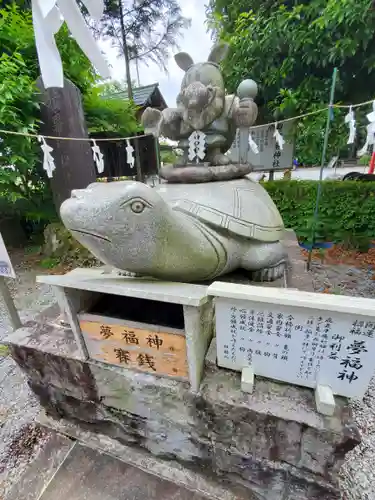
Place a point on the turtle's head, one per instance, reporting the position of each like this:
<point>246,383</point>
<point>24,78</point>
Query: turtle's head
<point>119,222</point>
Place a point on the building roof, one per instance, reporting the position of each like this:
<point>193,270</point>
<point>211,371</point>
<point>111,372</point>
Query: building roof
<point>142,95</point>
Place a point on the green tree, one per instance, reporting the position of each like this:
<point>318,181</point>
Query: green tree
<point>290,48</point>
<point>105,112</point>
<point>22,180</point>
<point>142,30</point>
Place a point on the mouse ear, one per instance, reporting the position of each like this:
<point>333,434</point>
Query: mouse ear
<point>218,52</point>
<point>183,60</point>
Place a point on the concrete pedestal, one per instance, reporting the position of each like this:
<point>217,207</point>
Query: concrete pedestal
<point>273,442</point>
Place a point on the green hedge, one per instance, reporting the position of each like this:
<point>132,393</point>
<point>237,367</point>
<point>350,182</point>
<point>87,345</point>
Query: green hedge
<point>346,209</point>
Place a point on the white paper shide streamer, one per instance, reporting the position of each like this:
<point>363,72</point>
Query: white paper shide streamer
<point>98,157</point>
<point>130,154</point>
<point>370,138</point>
<point>279,138</point>
<point>350,120</point>
<point>253,145</point>
<point>197,146</point>
<point>48,16</point>
<point>48,161</point>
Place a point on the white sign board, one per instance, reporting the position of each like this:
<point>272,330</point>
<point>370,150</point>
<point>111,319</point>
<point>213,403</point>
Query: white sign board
<point>269,156</point>
<point>6,268</point>
<point>296,337</point>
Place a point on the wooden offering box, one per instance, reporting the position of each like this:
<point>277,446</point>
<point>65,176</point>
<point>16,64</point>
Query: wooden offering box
<point>131,334</point>
<point>157,327</point>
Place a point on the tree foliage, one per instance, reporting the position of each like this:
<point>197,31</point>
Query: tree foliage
<point>21,176</point>
<point>150,28</point>
<point>291,47</point>
<point>105,112</point>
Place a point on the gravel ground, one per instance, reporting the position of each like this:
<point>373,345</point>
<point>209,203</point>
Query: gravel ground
<point>20,440</point>
<point>344,280</point>
<point>358,472</point>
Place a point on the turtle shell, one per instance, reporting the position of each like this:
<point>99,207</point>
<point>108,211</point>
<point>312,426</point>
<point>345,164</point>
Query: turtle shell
<point>242,207</point>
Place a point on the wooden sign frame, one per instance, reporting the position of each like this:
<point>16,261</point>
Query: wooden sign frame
<point>7,271</point>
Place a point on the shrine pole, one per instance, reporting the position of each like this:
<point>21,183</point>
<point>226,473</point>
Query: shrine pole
<point>324,152</point>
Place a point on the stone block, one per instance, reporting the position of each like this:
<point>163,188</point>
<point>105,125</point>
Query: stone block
<point>273,480</point>
<point>325,402</point>
<point>157,435</point>
<point>324,451</point>
<point>272,441</point>
<point>142,394</point>
<point>316,451</point>
<point>48,355</point>
<point>303,485</point>
<point>247,380</point>
<point>70,375</point>
<point>265,479</point>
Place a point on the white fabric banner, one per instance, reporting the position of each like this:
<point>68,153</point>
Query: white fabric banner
<point>48,16</point>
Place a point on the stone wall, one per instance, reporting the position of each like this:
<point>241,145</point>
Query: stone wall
<point>272,441</point>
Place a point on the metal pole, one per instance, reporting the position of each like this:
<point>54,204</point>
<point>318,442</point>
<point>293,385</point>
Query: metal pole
<point>9,304</point>
<point>324,152</point>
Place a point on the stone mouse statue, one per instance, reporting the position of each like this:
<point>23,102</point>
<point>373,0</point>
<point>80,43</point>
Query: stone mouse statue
<point>180,232</point>
<point>203,106</point>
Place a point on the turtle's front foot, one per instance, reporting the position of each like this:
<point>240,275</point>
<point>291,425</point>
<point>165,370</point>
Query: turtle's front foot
<point>128,274</point>
<point>271,273</point>
<point>266,262</point>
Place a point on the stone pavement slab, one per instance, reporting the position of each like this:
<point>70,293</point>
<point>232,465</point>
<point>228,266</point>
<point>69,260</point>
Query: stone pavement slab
<point>41,469</point>
<point>87,474</point>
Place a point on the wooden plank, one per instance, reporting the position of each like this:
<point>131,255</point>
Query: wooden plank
<point>100,318</point>
<point>137,339</point>
<point>9,305</point>
<point>149,361</point>
<point>70,301</point>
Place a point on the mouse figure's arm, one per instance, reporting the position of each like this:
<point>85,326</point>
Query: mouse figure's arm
<point>243,112</point>
<point>166,123</point>
<point>242,109</point>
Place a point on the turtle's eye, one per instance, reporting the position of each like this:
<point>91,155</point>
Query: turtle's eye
<point>137,207</point>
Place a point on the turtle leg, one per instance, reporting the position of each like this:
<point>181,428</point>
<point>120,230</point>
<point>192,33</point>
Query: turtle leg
<point>120,272</point>
<point>265,261</point>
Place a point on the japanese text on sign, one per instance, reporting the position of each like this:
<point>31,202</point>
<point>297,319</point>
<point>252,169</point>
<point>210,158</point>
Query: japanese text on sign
<point>6,268</point>
<point>136,348</point>
<point>297,345</point>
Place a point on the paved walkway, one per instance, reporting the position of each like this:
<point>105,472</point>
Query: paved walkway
<point>65,470</point>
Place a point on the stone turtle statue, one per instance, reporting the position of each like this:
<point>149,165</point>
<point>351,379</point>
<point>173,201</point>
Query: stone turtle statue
<point>180,232</point>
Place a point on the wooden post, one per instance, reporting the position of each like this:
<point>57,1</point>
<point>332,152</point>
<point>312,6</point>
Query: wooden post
<point>62,116</point>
